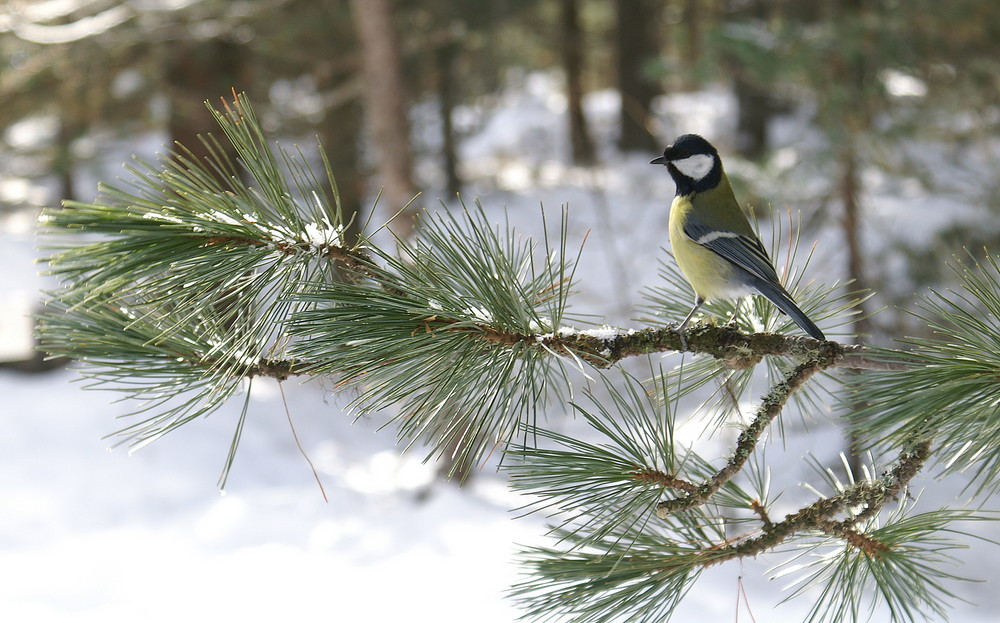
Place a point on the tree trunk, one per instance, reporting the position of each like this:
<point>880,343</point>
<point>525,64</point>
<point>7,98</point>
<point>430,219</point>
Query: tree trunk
<point>850,188</point>
<point>852,121</point>
<point>446,99</point>
<point>636,44</point>
<point>341,137</point>
<point>691,50</point>
<point>197,71</point>
<point>755,109</point>
<point>755,105</point>
<point>62,163</point>
<point>386,108</point>
<point>572,57</point>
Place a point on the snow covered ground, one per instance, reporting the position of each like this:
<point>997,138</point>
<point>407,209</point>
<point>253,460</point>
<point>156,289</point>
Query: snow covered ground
<point>91,533</point>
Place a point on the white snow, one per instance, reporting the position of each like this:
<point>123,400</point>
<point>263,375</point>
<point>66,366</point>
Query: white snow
<point>17,325</point>
<point>159,216</point>
<point>602,333</point>
<point>82,28</point>
<point>89,535</point>
<point>479,313</point>
<point>901,84</point>
<point>321,235</point>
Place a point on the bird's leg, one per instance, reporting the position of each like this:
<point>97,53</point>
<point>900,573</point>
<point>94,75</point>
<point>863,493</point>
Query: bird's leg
<point>698,302</point>
<point>734,321</point>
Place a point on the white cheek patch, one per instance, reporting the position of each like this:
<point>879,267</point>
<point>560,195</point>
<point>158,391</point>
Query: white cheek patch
<point>696,166</point>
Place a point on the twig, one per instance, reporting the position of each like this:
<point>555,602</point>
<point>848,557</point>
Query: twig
<point>298,444</point>
<point>873,495</point>
<point>666,480</point>
<point>758,508</point>
<point>769,409</point>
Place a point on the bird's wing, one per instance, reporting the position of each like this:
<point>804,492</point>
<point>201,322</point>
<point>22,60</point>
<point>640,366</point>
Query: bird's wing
<point>746,251</point>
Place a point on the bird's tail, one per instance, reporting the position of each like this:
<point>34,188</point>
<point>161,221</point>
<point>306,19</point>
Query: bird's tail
<point>783,301</point>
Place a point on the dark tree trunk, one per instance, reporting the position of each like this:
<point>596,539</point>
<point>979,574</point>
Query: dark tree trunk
<point>340,135</point>
<point>198,71</point>
<point>755,111</point>
<point>572,57</point>
<point>850,189</point>
<point>385,104</point>
<point>446,98</point>
<point>691,50</point>
<point>62,163</point>
<point>852,119</point>
<point>636,44</point>
<point>755,104</point>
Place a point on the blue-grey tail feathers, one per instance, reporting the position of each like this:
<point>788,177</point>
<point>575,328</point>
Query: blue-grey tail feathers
<point>783,301</point>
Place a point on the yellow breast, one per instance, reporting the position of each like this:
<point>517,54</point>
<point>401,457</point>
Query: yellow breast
<point>709,274</point>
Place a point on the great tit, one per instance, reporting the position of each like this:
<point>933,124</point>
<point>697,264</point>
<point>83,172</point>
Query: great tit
<point>713,242</point>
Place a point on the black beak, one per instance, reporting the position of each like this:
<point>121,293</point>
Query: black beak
<point>660,160</point>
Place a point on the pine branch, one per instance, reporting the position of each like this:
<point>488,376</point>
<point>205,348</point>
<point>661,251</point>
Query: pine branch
<point>870,495</point>
<point>178,289</point>
<point>734,349</point>
<point>886,554</point>
<point>605,347</point>
<point>769,409</point>
<point>607,518</point>
<point>951,392</point>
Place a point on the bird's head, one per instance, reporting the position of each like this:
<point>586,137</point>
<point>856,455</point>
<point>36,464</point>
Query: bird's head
<point>692,162</point>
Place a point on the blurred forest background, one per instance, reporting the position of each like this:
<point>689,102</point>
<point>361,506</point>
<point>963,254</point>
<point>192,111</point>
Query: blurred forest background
<point>876,121</point>
<point>907,90</point>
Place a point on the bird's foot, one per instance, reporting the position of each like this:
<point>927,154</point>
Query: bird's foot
<point>680,335</point>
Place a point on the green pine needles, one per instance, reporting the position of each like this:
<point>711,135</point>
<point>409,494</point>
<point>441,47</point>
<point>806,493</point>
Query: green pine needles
<point>445,332</point>
<point>178,287</point>
<point>952,392</point>
<point>183,285</point>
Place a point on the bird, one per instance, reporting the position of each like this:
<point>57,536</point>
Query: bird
<point>712,241</point>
